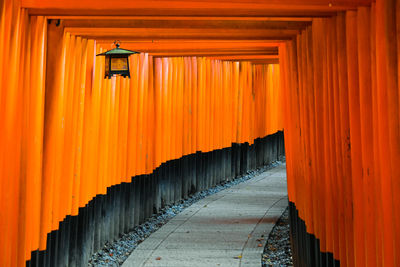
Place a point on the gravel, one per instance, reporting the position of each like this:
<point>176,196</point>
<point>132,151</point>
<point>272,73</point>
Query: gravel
<point>115,253</point>
<point>277,251</point>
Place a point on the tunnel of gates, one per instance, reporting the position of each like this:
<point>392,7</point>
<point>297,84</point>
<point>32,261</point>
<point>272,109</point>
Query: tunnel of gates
<point>90,158</point>
<point>83,159</point>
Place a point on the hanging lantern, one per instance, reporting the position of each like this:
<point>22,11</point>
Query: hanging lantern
<point>117,62</point>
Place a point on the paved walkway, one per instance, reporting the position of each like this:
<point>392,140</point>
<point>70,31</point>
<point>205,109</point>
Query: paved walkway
<point>224,229</point>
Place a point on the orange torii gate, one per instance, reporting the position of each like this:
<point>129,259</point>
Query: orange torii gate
<point>206,88</point>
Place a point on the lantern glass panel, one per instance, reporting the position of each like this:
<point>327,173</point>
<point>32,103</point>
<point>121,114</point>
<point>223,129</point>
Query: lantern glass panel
<point>119,63</point>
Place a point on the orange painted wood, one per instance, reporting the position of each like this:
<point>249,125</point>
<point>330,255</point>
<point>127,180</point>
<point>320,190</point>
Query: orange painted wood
<point>340,244</point>
<point>345,138</point>
<point>375,121</point>
<point>105,4</point>
<point>383,137</point>
<point>196,8</point>
<point>319,110</point>
<point>389,35</point>
<point>189,34</point>
<point>355,124</point>
<point>355,141</point>
<point>186,23</point>
<point>66,133</point>
<point>366,127</point>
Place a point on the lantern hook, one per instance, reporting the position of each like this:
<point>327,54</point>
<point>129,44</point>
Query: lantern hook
<point>117,43</point>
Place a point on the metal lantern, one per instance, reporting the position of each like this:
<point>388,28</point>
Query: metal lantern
<point>117,62</point>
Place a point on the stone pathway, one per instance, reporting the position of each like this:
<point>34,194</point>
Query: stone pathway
<point>228,229</point>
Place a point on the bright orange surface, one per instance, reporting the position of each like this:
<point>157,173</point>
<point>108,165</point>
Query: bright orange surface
<point>204,79</point>
<point>341,92</point>
<point>69,133</point>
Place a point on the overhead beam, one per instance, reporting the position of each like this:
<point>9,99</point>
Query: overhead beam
<point>255,59</point>
<point>267,43</point>
<point>179,18</point>
<point>185,48</point>
<point>181,46</point>
<point>246,57</point>
<point>189,7</point>
<point>173,33</point>
<point>207,54</point>
<point>99,4</point>
<point>315,12</point>
<point>188,23</point>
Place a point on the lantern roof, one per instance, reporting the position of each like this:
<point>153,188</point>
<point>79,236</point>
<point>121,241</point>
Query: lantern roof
<point>118,51</point>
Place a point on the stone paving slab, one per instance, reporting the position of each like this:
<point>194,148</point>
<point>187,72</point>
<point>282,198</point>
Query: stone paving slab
<point>228,229</point>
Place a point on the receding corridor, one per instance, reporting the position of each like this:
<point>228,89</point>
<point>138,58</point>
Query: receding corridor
<point>224,229</point>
